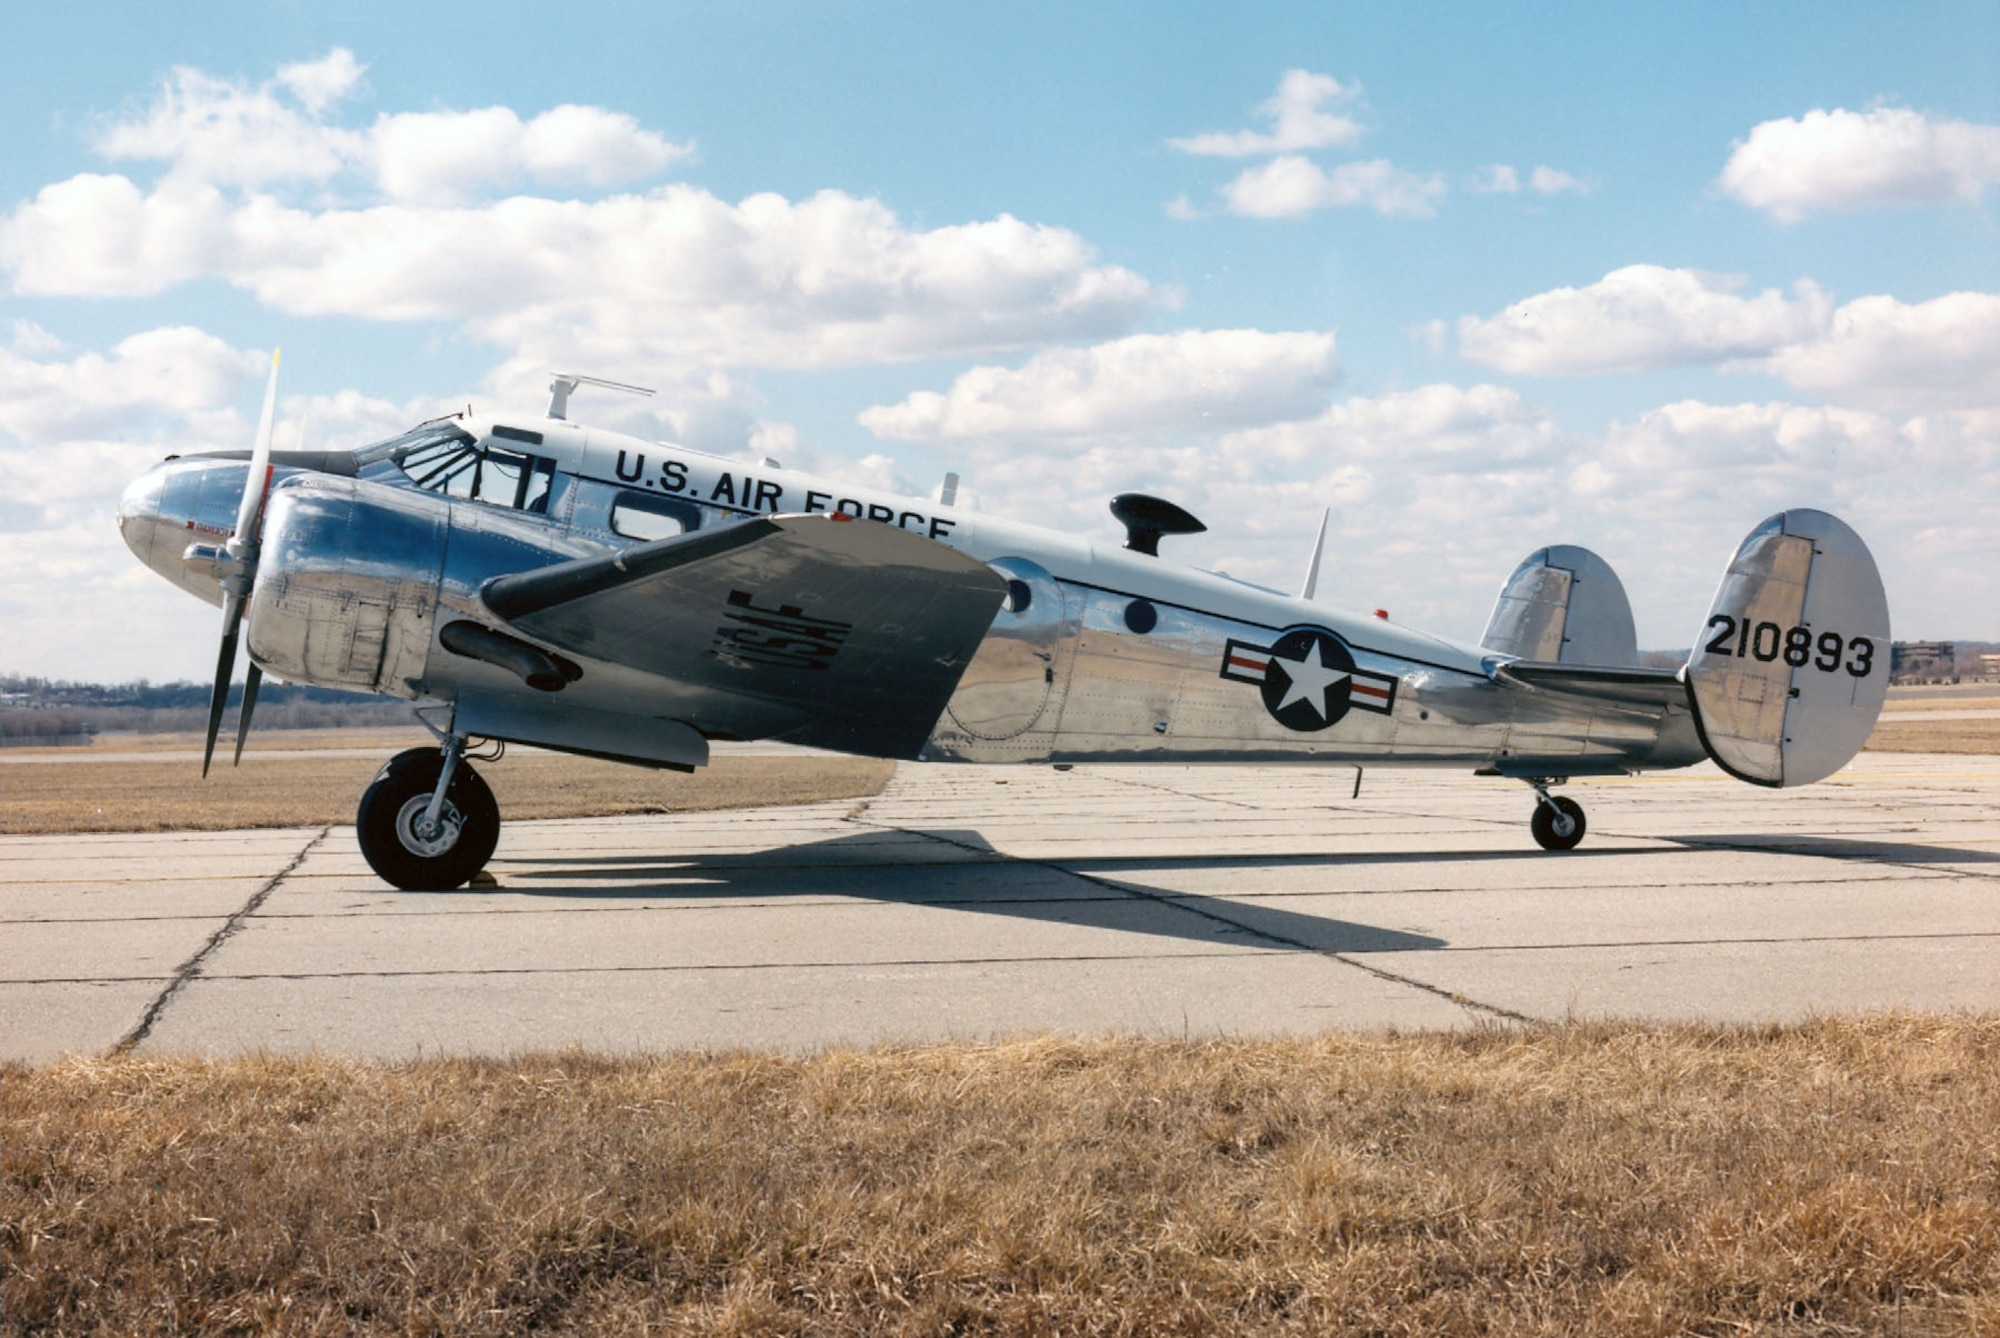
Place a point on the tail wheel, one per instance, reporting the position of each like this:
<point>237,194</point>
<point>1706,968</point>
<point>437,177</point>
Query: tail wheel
<point>1558,823</point>
<point>397,843</point>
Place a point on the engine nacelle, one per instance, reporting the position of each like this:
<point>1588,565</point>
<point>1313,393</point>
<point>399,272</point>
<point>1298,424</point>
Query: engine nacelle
<point>347,584</point>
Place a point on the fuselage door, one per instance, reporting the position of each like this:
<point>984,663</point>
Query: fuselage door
<point>1009,683</point>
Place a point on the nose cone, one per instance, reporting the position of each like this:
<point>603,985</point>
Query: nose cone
<point>177,503</point>
<point>139,513</point>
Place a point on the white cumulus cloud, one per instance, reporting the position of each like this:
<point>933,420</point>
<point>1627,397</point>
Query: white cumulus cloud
<point>263,190</point>
<point>1299,120</point>
<point>1944,353</point>
<point>1193,381</point>
<point>1642,317</point>
<point>1292,187</point>
<point>318,84</point>
<point>220,132</point>
<point>230,133</point>
<point>1875,352</point>
<point>1502,179</point>
<point>1430,427</point>
<point>177,371</point>
<point>1853,160</point>
<point>676,273</point>
<point>451,155</point>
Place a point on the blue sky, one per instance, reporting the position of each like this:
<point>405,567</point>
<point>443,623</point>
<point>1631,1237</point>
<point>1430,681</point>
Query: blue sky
<point>1480,278</point>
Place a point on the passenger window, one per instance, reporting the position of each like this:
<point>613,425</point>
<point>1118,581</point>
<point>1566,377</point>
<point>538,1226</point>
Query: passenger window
<point>634,515</point>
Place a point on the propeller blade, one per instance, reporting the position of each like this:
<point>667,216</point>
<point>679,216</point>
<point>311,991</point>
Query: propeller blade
<point>225,666</point>
<point>259,477</point>
<point>251,682</point>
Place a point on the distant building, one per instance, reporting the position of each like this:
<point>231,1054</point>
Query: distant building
<point>1910,660</point>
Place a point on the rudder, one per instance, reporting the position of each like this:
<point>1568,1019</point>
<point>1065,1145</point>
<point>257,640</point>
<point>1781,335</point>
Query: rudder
<point>1790,670</point>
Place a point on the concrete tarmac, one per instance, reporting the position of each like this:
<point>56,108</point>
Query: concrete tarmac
<point>970,903</point>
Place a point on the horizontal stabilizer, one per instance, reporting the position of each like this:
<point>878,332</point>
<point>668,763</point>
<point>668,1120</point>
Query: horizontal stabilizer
<point>1789,672</point>
<point>815,629</point>
<point>1621,687</point>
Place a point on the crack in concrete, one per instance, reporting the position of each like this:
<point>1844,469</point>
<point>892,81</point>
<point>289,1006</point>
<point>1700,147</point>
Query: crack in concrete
<point>1138,784</point>
<point>191,968</point>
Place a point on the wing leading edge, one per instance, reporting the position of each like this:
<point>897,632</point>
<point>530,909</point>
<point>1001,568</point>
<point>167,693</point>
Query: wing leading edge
<point>821,631</point>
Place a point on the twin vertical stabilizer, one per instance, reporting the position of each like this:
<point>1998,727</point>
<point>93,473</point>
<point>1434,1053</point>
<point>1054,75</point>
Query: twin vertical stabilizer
<point>1790,670</point>
<point>1788,674</point>
<point>1564,605</point>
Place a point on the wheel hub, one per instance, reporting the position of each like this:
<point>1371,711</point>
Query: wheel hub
<point>428,843</point>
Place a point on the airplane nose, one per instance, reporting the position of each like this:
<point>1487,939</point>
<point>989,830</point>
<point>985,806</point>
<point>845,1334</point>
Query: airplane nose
<point>139,512</point>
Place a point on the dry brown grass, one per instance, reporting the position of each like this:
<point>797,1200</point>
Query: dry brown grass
<point>381,738</point>
<point>266,791</point>
<point>1841,1176</point>
<point>1935,736</point>
<point>1970,697</point>
<point>1938,736</point>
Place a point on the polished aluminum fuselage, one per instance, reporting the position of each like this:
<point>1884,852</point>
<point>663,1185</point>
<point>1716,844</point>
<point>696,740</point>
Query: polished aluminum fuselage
<point>1100,654</point>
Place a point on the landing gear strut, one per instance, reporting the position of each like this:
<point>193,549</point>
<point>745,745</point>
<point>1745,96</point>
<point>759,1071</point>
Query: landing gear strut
<point>1558,822</point>
<point>428,823</point>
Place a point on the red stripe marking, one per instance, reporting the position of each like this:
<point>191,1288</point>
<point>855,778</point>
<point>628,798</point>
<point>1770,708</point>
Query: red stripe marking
<point>1368,690</point>
<point>1241,663</point>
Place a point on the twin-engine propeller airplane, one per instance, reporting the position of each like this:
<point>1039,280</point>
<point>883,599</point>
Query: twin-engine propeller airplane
<point>532,580</point>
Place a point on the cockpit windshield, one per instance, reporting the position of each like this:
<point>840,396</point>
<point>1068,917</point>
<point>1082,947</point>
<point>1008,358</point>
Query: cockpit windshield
<point>443,458</point>
<point>396,447</point>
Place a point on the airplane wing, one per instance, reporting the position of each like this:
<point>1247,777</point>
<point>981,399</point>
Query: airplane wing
<point>845,634</point>
<point>1655,688</point>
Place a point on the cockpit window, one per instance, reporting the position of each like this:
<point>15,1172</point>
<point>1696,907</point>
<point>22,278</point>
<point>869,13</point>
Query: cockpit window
<point>444,459</point>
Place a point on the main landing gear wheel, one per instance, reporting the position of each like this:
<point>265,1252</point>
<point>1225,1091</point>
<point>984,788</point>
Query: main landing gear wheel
<point>411,854</point>
<point>1558,823</point>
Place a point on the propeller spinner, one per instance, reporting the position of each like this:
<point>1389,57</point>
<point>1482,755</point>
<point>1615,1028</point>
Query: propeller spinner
<point>236,568</point>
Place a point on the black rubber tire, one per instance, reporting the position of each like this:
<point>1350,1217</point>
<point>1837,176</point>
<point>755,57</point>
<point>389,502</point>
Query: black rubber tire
<point>398,795</point>
<point>1544,823</point>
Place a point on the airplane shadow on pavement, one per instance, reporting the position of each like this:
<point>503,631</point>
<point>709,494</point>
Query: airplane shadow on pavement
<point>1878,849</point>
<point>958,870</point>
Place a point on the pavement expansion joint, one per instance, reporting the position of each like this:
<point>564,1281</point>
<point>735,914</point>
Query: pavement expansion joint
<point>694,968</point>
<point>191,968</point>
<point>1732,941</point>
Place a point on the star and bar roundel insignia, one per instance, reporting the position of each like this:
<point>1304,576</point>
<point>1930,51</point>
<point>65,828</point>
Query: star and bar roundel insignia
<point>1308,678</point>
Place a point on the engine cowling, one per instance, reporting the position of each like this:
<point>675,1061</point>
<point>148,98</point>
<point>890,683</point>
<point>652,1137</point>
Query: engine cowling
<point>346,592</point>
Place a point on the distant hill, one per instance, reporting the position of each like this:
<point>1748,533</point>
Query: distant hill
<point>45,710</point>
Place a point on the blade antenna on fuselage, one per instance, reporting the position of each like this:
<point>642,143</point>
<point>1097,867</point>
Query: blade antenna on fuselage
<point>1311,585</point>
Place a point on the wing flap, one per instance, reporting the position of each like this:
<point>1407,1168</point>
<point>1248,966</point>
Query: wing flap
<point>858,630</point>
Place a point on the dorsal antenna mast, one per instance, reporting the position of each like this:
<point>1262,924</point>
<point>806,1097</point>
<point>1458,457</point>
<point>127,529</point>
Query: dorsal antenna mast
<point>562,383</point>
